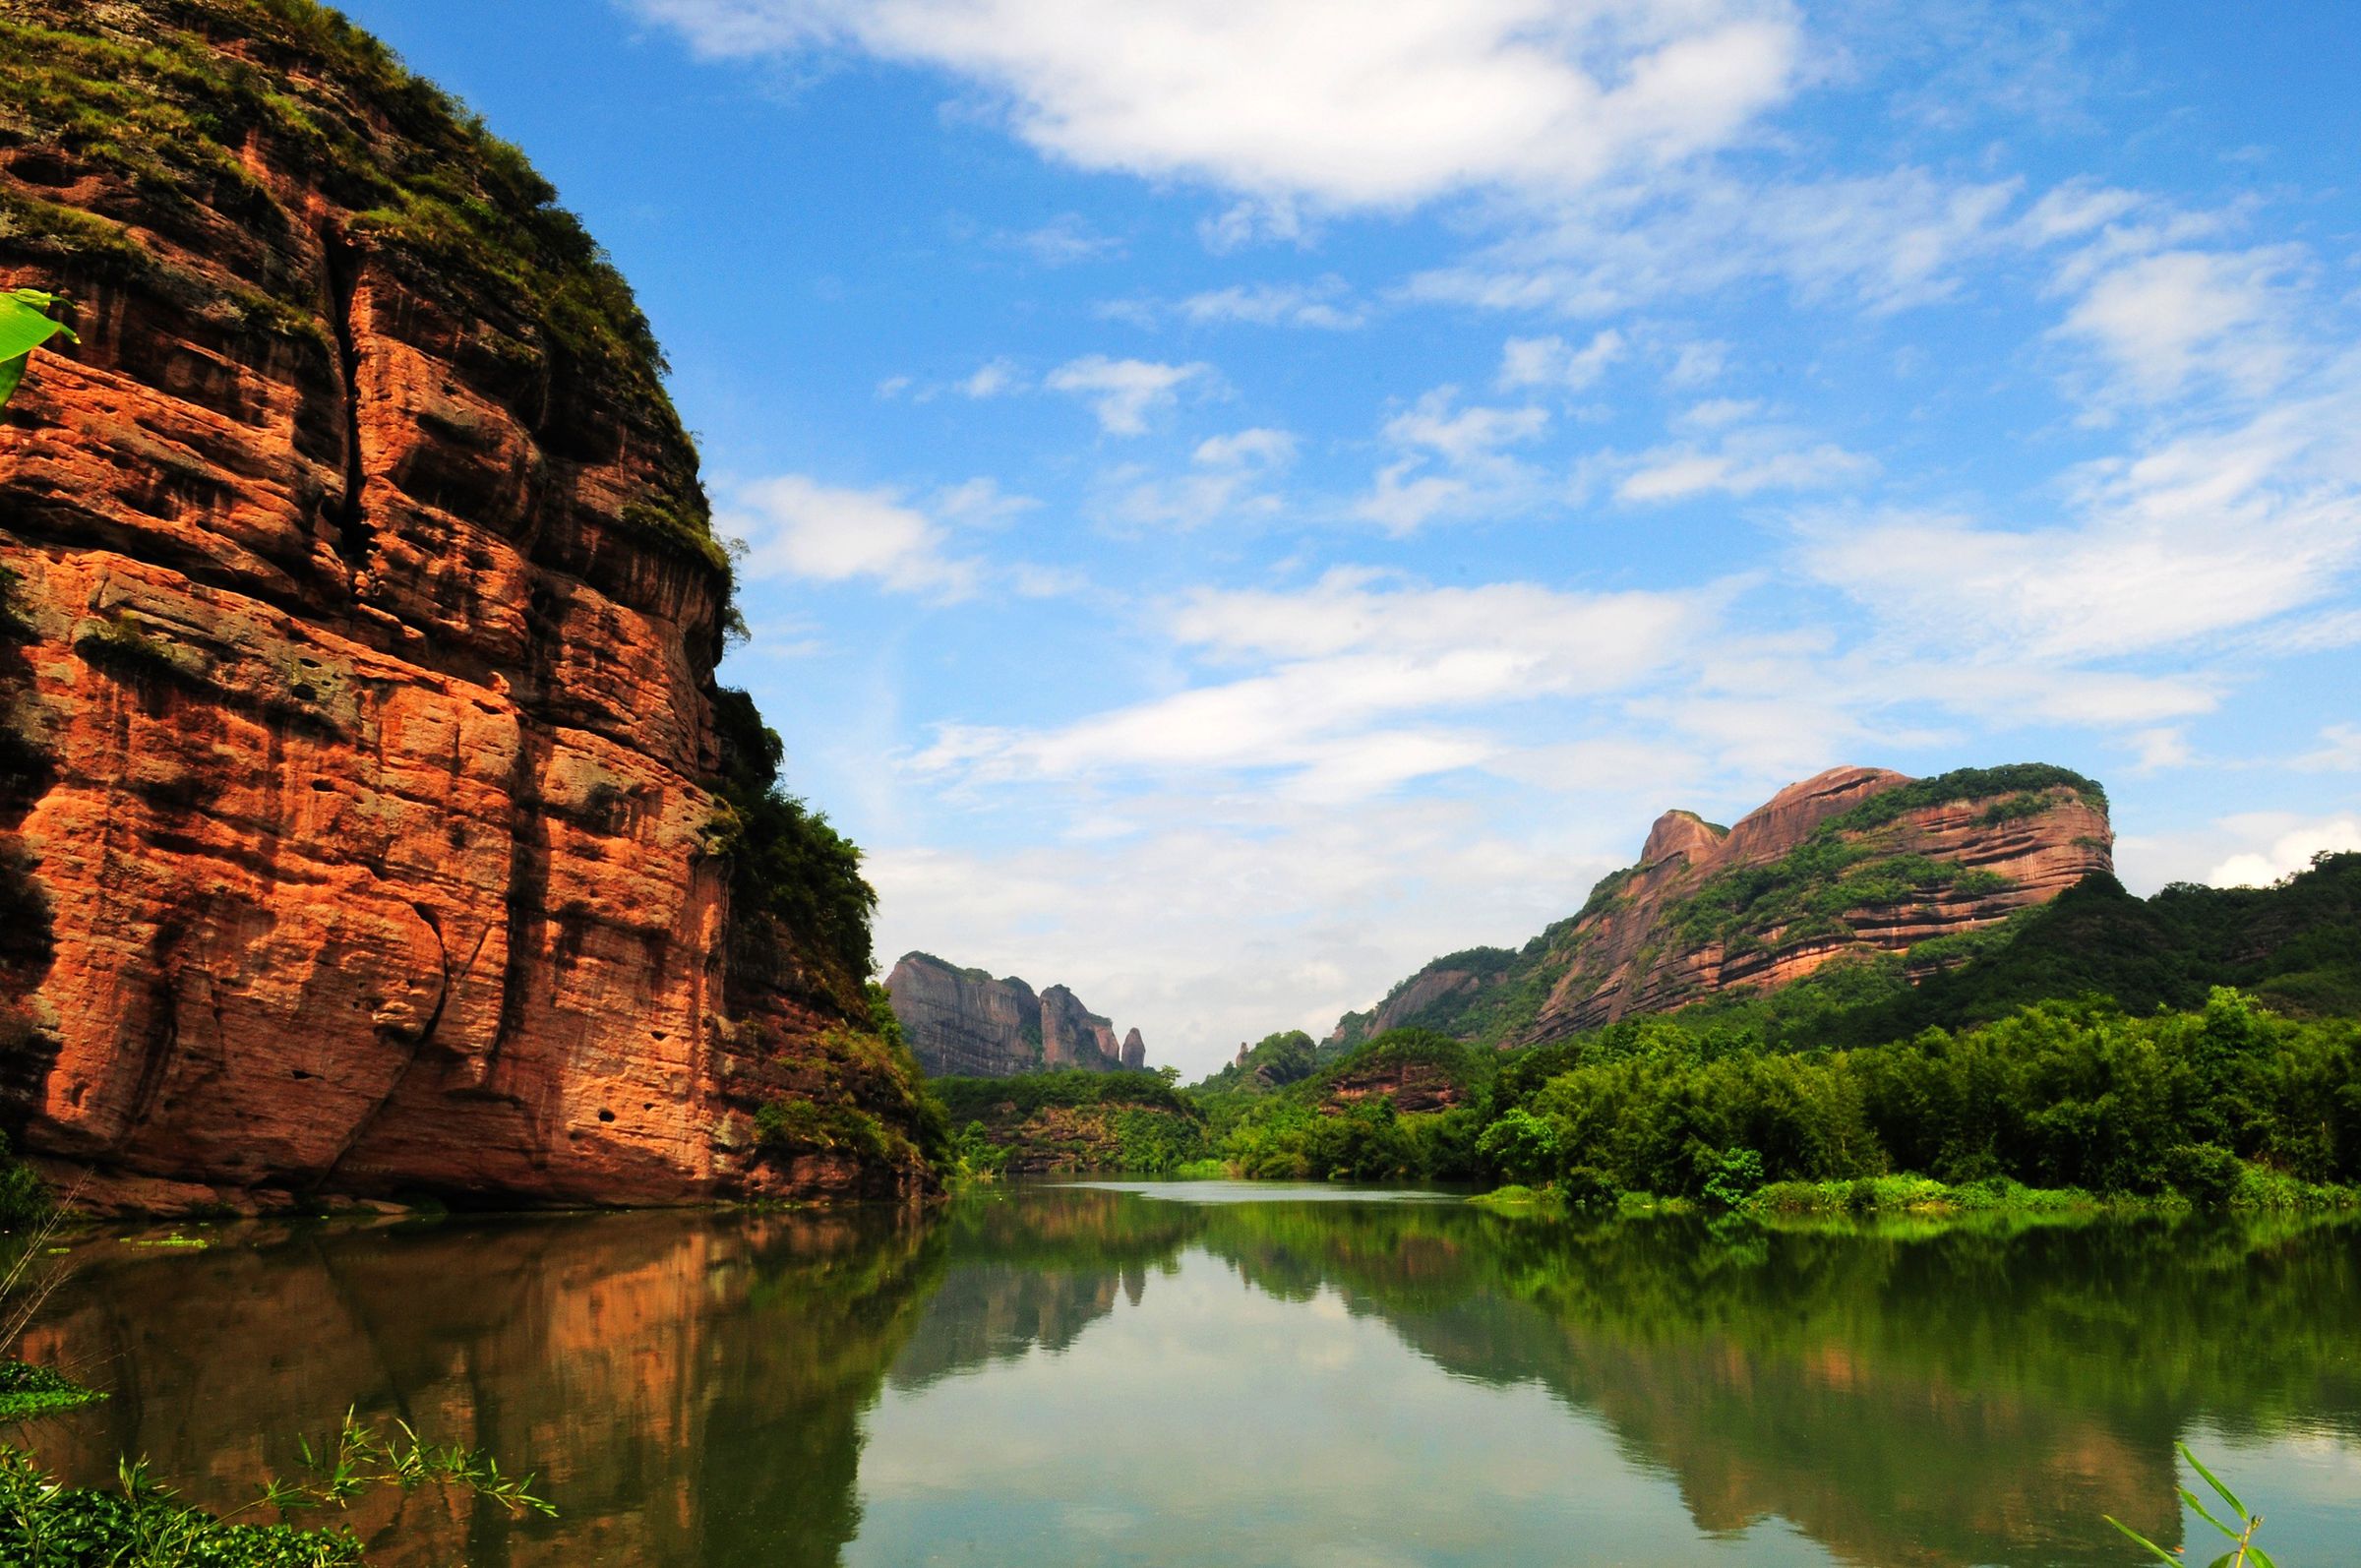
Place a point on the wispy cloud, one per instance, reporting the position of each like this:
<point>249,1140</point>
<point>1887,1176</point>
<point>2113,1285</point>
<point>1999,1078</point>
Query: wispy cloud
<point>1227,477</point>
<point>1453,462</point>
<point>1325,302</point>
<point>1123,393</point>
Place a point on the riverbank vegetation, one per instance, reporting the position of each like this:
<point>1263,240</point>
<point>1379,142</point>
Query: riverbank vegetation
<point>142,1523</point>
<point>1072,1119</point>
<point>2099,1050</point>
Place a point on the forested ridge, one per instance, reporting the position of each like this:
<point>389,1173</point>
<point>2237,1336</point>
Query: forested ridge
<point>2200,1045</point>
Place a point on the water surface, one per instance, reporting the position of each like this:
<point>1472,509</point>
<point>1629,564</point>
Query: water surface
<point>1225,1374</point>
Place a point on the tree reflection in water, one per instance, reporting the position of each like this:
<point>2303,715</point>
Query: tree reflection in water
<point>698,1388</point>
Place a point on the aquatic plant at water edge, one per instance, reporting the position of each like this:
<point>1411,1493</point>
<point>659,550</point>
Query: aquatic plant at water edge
<point>43,1525</point>
<point>26,1390</point>
<point>2243,1550</point>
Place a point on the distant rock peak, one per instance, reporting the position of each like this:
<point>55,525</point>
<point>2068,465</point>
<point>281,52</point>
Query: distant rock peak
<point>1682,833</point>
<point>1893,860</point>
<point>963,1022</point>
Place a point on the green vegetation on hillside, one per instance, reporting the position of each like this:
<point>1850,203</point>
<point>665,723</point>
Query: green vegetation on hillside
<point>1073,1118</point>
<point>2097,1046</point>
<point>1273,1062</point>
<point>786,860</point>
<point>1844,865</point>
<point>966,1099</point>
<point>2225,1105</point>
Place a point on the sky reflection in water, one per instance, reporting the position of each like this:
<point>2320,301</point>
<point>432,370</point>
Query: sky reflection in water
<point>1097,1375</point>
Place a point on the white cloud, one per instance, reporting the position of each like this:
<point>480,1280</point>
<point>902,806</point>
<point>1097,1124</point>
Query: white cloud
<point>2287,853</point>
<point>1379,103</point>
<point>1464,435</point>
<point>1352,667</point>
<point>2201,533</point>
<point>1324,303</point>
<point>2160,747</point>
<point>994,379</point>
<point>991,381</point>
<point>1065,240</point>
<point>1694,364</point>
<point>1122,392</point>
<point>1724,449</point>
<point>1225,480</point>
<point>2339,751</point>
<point>1479,477</point>
<point>1881,242</point>
<point>795,526</point>
<point>981,501</point>
<point>1554,362</point>
<point>1260,447</point>
<point>2164,320</point>
<point>1274,218</point>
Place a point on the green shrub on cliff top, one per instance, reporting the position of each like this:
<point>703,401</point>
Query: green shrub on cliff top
<point>785,859</point>
<point>173,100</point>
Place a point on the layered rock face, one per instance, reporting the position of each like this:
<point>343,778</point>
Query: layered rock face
<point>964,1022</point>
<point>1854,860</point>
<point>361,727</point>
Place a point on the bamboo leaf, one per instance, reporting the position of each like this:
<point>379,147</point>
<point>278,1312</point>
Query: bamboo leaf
<point>2227,1495</point>
<point>2142,1539</point>
<point>2191,1498</point>
<point>24,328</point>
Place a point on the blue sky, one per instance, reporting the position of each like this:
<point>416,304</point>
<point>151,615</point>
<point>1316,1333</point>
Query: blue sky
<point>1242,497</point>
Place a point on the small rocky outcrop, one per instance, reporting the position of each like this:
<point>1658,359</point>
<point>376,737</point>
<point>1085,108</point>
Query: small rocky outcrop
<point>963,1022</point>
<point>1854,860</point>
<point>364,825</point>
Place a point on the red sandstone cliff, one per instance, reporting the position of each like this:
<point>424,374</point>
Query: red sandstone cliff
<point>361,724</point>
<point>1854,860</point>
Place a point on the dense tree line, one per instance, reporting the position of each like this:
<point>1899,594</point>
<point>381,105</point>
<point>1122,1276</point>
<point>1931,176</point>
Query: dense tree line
<point>2059,1094</point>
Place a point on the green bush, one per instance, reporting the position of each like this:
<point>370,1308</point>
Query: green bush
<point>1525,1148</point>
<point>29,1390</point>
<point>23,1200</point>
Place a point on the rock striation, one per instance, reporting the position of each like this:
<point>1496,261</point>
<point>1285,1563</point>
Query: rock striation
<point>963,1022</point>
<point>1854,860</point>
<point>361,783</point>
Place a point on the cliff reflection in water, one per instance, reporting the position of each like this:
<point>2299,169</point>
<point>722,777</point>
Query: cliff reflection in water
<point>699,1389</point>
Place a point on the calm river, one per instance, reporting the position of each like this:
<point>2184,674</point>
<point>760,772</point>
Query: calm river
<point>1222,1375</point>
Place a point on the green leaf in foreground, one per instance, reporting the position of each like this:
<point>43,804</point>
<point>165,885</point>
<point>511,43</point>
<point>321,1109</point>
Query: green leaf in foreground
<point>2139,1537</point>
<point>25,326</point>
<point>2227,1495</point>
